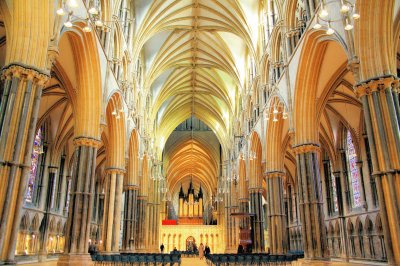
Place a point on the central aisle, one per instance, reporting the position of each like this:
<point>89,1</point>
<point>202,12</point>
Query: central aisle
<point>193,262</point>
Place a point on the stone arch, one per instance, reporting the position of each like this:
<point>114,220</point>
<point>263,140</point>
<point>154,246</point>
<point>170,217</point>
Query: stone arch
<point>306,87</point>
<point>116,129</point>
<point>276,115</point>
<point>255,178</point>
<point>52,225</point>
<point>360,235</point>
<point>25,222</point>
<point>35,224</point>
<point>88,100</point>
<point>133,163</point>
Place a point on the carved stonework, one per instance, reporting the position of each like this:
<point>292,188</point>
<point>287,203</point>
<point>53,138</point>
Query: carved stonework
<point>304,148</point>
<point>85,141</point>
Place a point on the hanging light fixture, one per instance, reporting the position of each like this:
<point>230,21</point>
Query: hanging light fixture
<point>345,7</point>
<point>323,13</point>
<point>356,15</point>
<point>60,11</point>
<point>68,23</point>
<point>348,25</point>
<point>87,27</point>
<point>72,3</point>
<point>92,8</point>
<point>317,26</point>
<point>98,22</point>
<point>330,31</point>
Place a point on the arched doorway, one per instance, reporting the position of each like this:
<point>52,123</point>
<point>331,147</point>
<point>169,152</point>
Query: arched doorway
<point>190,243</point>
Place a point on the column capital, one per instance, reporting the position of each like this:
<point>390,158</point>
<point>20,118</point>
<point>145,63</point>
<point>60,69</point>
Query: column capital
<point>22,71</point>
<point>131,187</point>
<point>87,141</point>
<point>306,147</point>
<point>256,190</point>
<point>376,84</point>
<point>336,173</point>
<point>115,170</point>
<point>274,173</point>
<point>53,169</point>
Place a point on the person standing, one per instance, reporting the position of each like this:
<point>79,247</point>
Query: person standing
<point>207,250</point>
<point>201,251</point>
<point>162,248</point>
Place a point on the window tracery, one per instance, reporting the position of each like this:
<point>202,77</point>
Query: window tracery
<point>37,155</point>
<point>353,175</point>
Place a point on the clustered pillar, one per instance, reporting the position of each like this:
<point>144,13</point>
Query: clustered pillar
<point>276,213</point>
<point>258,219</point>
<point>310,201</point>
<point>380,99</point>
<point>18,116</point>
<point>130,214</point>
<point>231,231</point>
<point>77,231</point>
<point>141,216</point>
<point>112,209</point>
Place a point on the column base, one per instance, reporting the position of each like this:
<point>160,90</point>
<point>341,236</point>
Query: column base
<point>75,259</point>
<point>42,257</point>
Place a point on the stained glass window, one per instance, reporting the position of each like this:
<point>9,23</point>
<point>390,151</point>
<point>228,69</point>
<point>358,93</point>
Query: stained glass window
<point>334,193</point>
<point>354,174</point>
<point>68,192</point>
<point>37,150</point>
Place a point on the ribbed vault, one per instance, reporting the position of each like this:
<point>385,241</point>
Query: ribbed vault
<point>195,54</point>
<point>192,158</point>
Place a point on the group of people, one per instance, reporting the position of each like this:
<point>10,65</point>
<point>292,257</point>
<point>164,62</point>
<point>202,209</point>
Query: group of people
<point>203,250</point>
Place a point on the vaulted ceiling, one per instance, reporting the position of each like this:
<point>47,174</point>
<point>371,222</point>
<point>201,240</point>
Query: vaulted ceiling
<point>195,55</point>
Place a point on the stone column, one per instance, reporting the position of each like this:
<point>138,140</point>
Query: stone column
<point>129,225</point>
<point>140,226</point>
<point>77,231</point>
<point>112,210</point>
<point>310,201</point>
<point>380,99</point>
<point>276,212</point>
<point>258,219</point>
<point>18,116</point>
<point>244,208</point>
<point>47,215</point>
<point>344,252</point>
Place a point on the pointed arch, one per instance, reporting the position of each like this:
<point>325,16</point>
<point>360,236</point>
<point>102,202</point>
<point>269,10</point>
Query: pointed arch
<point>256,175</point>
<point>116,129</point>
<point>89,91</point>
<point>306,87</point>
<point>133,165</point>
<point>274,132</point>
